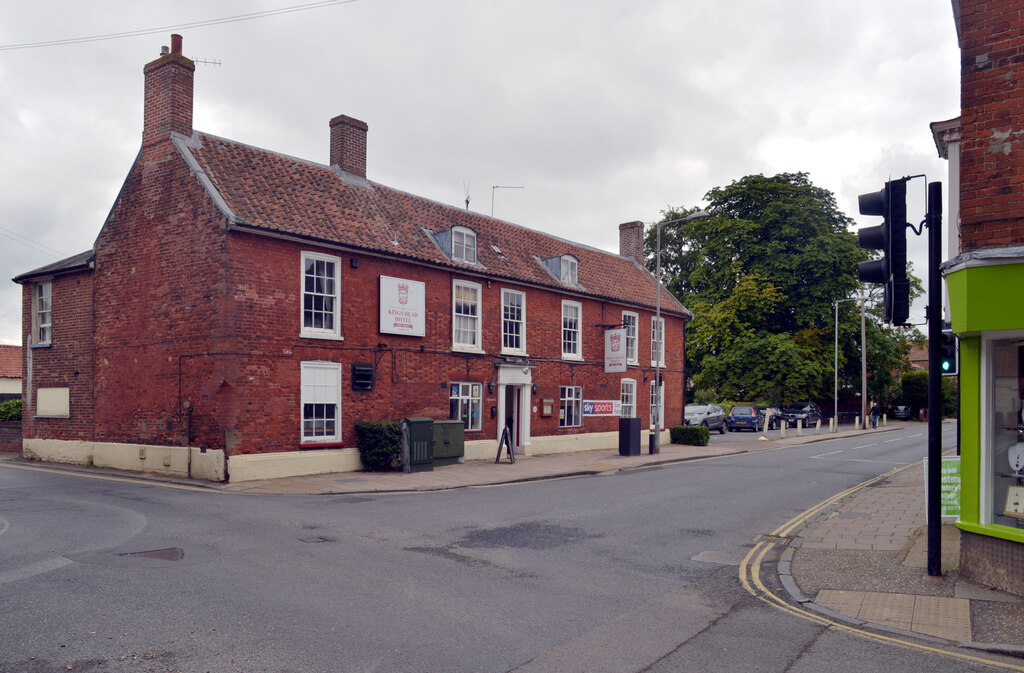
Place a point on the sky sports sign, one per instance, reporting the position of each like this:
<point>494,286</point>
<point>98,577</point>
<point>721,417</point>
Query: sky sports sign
<point>602,407</point>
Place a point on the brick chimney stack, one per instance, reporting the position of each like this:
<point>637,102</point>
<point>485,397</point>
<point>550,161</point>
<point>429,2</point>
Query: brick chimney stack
<point>348,145</point>
<point>631,241</point>
<point>168,95</point>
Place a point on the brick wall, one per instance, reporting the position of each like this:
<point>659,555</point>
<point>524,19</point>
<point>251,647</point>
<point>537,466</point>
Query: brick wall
<point>161,298</point>
<point>68,362</point>
<point>992,120</point>
<point>10,436</point>
<point>261,402</point>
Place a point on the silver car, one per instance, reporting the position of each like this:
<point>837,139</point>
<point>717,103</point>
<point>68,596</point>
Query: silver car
<point>711,416</point>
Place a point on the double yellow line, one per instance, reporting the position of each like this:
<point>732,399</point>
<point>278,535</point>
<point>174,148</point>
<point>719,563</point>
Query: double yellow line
<point>750,577</point>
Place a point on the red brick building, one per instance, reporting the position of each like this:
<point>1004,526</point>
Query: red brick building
<point>240,305</point>
<point>984,276</point>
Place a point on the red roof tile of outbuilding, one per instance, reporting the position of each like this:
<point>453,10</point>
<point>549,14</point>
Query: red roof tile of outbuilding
<point>10,362</point>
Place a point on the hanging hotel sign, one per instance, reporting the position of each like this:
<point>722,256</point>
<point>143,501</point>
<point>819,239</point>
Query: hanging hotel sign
<point>402,306</point>
<point>614,350</point>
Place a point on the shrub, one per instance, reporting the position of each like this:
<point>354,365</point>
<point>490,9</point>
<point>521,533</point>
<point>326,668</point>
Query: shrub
<point>380,445</point>
<point>691,435</point>
<point>10,410</point>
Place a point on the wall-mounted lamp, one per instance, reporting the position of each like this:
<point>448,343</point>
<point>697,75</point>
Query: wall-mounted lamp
<point>444,385</point>
<point>534,388</point>
<point>490,386</point>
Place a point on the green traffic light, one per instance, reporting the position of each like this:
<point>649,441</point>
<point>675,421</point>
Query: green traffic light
<point>945,365</point>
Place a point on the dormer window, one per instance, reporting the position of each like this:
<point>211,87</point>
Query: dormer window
<point>570,270</point>
<point>464,245</point>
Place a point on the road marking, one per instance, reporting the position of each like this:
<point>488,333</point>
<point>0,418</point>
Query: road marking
<point>5,526</point>
<point>865,446</point>
<point>892,440</point>
<point>920,434</point>
<point>880,462</point>
<point>755,557</point>
<point>822,455</point>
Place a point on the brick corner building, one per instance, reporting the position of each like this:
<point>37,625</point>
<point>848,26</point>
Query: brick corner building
<point>984,276</point>
<point>241,306</point>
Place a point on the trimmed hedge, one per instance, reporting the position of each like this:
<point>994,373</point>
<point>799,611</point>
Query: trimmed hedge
<point>691,435</point>
<point>380,445</point>
<point>10,410</point>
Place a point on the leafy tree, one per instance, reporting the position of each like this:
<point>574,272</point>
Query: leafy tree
<point>761,276</point>
<point>914,389</point>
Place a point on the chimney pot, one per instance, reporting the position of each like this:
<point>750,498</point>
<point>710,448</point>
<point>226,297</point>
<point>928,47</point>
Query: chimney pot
<point>175,44</point>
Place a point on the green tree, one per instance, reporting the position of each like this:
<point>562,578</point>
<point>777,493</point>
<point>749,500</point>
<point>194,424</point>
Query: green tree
<point>761,276</point>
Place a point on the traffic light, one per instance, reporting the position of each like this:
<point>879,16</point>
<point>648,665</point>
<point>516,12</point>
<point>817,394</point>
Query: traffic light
<point>947,353</point>
<point>891,238</point>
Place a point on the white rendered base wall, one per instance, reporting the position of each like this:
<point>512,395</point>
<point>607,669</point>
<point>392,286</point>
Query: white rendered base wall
<point>176,461</point>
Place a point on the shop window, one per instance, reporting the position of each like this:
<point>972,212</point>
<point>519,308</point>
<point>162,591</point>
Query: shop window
<point>464,403</point>
<point>570,410</point>
<point>1007,433</point>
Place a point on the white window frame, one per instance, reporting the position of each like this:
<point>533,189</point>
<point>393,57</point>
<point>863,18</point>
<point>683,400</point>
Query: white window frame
<point>309,331</point>
<point>660,425</point>
<point>627,398</point>
<point>576,354</point>
<point>505,320</point>
<point>570,270</point>
<point>320,385</point>
<point>570,397</point>
<point>631,323</point>
<point>465,250</point>
<point>42,313</point>
<point>463,393</point>
<point>471,322</point>
<point>657,344</point>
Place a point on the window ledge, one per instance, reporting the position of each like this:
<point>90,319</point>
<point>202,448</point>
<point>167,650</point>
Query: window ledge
<point>521,354</point>
<point>321,445</point>
<point>39,417</point>
<point>48,344</point>
<point>468,349</point>
<point>317,335</point>
<point>576,358</point>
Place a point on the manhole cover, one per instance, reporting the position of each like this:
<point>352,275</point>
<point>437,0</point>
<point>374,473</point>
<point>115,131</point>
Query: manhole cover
<point>169,554</point>
<point>315,538</point>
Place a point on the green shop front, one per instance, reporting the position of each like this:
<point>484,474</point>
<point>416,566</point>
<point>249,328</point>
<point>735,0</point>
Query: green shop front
<point>986,297</point>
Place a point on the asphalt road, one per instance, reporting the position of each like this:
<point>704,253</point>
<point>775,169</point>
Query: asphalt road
<point>635,571</point>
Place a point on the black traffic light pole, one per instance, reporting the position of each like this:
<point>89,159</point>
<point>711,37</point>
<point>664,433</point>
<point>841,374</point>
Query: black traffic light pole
<point>934,222</point>
<point>891,271</point>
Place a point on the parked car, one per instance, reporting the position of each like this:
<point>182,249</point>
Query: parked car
<point>808,412</point>
<point>773,416</point>
<point>710,416</point>
<point>902,413</point>
<point>745,417</point>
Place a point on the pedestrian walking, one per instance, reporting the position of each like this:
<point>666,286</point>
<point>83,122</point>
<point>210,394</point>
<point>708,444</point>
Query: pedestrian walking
<point>875,413</point>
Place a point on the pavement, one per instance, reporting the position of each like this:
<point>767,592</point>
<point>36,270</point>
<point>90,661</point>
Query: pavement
<point>860,560</point>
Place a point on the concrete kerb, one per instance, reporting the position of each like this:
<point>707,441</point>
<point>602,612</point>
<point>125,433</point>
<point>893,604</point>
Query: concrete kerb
<point>254,488</point>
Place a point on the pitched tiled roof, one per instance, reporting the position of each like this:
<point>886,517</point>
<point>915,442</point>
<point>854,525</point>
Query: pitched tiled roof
<point>274,193</point>
<point>10,362</point>
<point>68,265</point>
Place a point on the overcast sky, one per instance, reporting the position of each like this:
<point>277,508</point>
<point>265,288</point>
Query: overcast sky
<point>606,111</point>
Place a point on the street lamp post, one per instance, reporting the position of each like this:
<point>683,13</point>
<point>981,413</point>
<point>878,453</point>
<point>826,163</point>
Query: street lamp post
<point>835,399</point>
<point>659,391</point>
